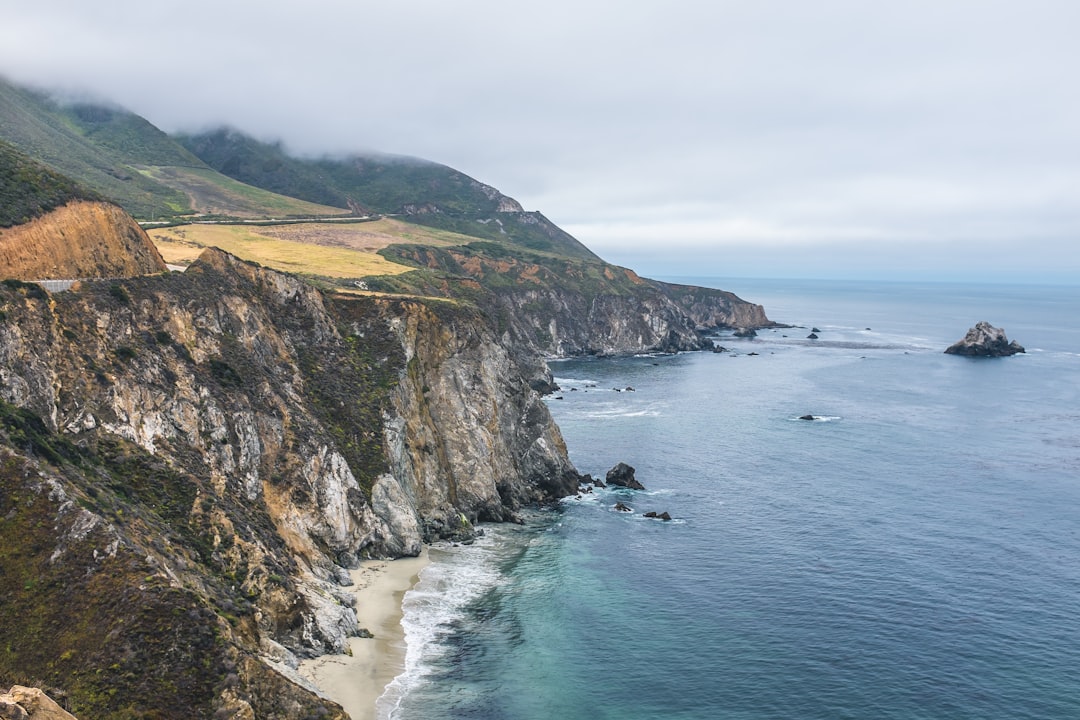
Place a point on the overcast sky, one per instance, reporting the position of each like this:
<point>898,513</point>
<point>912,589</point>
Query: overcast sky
<point>787,138</point>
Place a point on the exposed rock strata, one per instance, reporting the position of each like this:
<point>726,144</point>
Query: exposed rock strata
<point>985,340</point>
<point>30,704</point>
<point>555,308</point>
<point>260,439</point>
<point>83,239</point>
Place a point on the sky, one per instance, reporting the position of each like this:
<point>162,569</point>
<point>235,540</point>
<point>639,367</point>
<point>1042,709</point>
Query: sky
<point>933,140</point>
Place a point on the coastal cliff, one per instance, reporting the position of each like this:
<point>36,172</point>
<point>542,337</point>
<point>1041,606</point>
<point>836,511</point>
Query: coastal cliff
<point>82,239</point>
<point>219,447</point>
<point>191,463</point>
<point>557,307</point>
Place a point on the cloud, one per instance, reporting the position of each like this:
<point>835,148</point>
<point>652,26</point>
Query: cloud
<point>780,124</point>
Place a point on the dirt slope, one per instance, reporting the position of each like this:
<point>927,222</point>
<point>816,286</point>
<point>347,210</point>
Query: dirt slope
<point>82,239</point>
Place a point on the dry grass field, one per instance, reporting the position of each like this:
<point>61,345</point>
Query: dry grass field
<point>332,250</point>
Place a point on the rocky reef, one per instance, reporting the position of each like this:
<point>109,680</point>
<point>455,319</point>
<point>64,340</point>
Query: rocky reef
<point>985,340</point>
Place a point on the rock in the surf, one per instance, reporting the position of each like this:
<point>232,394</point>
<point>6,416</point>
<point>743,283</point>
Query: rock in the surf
<point>623,476</point>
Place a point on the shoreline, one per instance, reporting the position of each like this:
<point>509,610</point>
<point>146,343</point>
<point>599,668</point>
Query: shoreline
<point>357,681</point>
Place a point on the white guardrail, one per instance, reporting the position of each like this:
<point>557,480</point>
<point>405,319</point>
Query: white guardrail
<point>55,285</point>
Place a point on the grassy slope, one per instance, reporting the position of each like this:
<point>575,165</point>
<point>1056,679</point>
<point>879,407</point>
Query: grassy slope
<point>424,192</point>
<point>96,147</point>
<point>182,245</point>
<point>126,159</point>
<point>212,193</point>
<point>29,189</point>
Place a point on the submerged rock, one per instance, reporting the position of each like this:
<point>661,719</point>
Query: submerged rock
<point>623,507</point>
<point>665,516</point>
<point>623,476</point>
<point>812,336</point>
<point>745,333</point>
<point>985,340</point>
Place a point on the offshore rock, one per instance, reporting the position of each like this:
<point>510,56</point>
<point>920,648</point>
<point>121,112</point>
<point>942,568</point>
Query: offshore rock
<point>985,340</point>
<point>622,475</point>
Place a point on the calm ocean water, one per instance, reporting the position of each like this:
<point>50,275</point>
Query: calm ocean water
<point>913,554</point>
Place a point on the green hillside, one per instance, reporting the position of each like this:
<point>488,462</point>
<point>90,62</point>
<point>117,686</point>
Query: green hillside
<point>29,189</point>
<point>419,191</point>
<point>98,147</point>
<point>124,158</point>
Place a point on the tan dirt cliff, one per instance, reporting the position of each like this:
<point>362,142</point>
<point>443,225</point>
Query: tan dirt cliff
<point>83,239</point>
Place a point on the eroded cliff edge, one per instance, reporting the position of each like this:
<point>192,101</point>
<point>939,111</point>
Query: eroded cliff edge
<point>81,239</point>
<point>193,461</point>
<point>544,305</point>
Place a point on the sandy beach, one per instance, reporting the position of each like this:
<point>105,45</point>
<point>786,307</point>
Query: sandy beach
<point>356,682</point>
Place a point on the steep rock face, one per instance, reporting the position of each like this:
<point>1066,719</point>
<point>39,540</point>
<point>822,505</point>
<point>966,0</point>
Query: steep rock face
<point>558,307</point>
<point>466,431</point>
<point>83,239</point>
<point>712,309</point>
<point>555,323</point>
<point>261,439</point>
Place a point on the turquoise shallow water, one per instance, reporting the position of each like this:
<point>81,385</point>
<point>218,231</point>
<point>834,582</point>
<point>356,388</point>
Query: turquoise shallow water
<point>913,554</point>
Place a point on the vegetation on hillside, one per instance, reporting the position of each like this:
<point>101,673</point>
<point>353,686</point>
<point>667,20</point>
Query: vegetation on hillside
<point>127,160</point>
<point>96,146</point>
<point>29,189</point>
<point>420,191</point>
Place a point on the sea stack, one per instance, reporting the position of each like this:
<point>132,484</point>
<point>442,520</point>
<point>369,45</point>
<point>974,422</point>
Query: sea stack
<point>985,340</point>
<point>622,475</point>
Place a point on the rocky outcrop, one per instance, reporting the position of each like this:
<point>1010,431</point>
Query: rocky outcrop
<point>25,703</point>
<point>544,306</point>
<point>651,316</point>
<point>232,441</point>
<point>467,436</point>
<point>711,309</point>
<point>622,475</point>
<point>82,239</point>
<point>985,340</point>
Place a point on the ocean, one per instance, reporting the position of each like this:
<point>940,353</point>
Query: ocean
<point>914,552</point>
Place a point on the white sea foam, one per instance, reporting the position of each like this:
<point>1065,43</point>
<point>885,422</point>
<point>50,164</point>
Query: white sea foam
<point>819,418</point>
<point>574,382</point>
<point>609,413</point>
<point>457,576</point>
